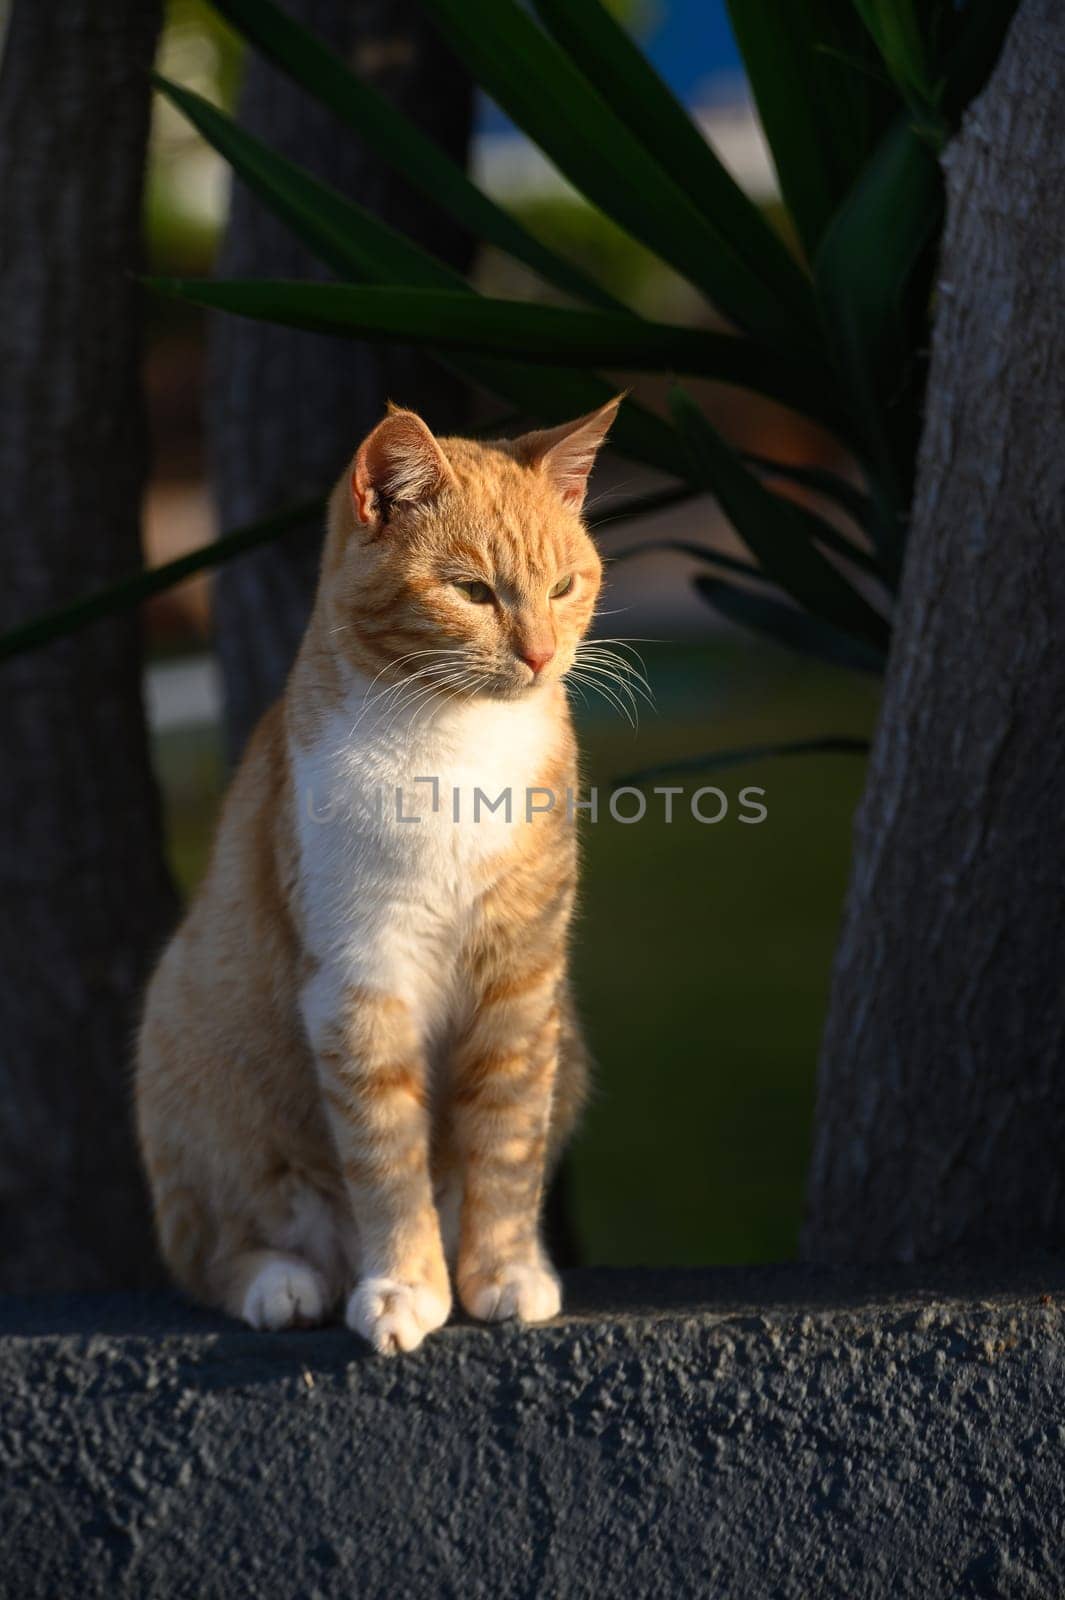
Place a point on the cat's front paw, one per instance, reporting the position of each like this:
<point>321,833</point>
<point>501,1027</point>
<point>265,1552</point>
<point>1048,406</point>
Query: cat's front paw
<point>285,1294</point>
<point>396,1316</point>
<point>529,1291</point>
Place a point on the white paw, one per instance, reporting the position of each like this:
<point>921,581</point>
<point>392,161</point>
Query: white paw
<point>285,1294</point>
<point>530,1293</point>
<point>395,1316</point>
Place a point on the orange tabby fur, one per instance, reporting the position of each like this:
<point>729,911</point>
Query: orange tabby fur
<point>359,1057</point>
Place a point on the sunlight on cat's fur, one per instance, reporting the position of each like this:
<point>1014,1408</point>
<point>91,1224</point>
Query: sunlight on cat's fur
<point>359,1055</point>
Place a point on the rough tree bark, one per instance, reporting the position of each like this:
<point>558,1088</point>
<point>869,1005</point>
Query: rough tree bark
<point>941,1111</point>
<point>84,893</point>
<point>286,409</point>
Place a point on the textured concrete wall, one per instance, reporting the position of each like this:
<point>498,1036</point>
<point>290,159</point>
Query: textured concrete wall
<point>780,1433</point>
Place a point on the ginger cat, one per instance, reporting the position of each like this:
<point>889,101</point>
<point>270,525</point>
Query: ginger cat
<point>359,1056</point>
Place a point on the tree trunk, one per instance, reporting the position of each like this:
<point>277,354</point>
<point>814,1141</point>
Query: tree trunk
<point>941,1110</point>
<point>286,409</point>
<point>85,893</point>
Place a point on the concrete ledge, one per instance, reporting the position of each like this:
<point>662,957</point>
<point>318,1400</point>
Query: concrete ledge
<point>787,1432</point>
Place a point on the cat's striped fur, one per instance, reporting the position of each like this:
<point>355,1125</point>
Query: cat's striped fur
<point>359,1055</point>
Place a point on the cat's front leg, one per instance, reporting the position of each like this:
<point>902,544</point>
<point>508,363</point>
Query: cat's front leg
<point>503,1080</point>
<point>374,1083</point>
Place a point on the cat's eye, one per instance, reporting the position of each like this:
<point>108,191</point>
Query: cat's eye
<point>475,590</point>
<point>563,586</point>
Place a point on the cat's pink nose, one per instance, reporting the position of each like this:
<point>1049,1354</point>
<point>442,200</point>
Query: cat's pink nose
<point>536,659</point>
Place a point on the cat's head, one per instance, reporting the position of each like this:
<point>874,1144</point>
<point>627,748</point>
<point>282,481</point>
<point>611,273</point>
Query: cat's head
<point>465,563</point>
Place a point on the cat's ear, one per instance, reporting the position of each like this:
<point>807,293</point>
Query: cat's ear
<point>566,454</point>
<point>399,462</point>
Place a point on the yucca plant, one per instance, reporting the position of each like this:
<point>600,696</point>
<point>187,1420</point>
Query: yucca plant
<point>856,98</point>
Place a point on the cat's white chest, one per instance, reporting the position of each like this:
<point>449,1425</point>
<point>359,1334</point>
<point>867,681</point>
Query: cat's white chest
<point>399,821</point>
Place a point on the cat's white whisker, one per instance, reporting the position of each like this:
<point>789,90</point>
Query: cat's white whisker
<point>604,658</point>
<point>606,693</point>
<point>637,666</point>
<point>605,494</point>
<point>399,661</point>
<point>617,663</point>
<point>478,684</point>
<point>627,643</point>
<point>429,684</point>
<point>570,682</point>
<point>465,688</point>
<point>620,688</point>
<point>631,683</point>
<point>397,689</point>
